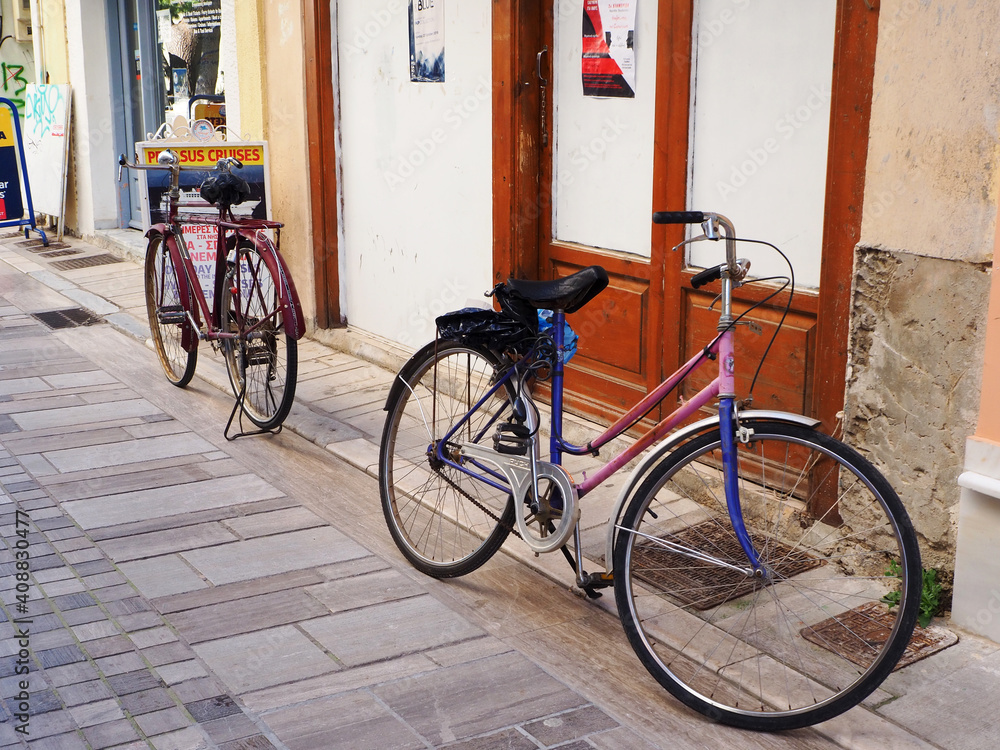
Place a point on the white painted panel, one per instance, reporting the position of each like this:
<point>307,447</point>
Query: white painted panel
<point>417,170</point>
<point>603,151</point>
<point>760,127</point>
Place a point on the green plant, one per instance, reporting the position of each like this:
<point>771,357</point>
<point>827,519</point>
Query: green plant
<point>930,593</point>
<point>177,7</point>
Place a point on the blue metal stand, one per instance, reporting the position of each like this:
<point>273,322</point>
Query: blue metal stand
<point>27,223</point>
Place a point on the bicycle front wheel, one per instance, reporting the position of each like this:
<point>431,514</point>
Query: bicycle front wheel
<point>811,637</point>
<point>444,521</point>
<point>262,360</point>
<point>167,315</point>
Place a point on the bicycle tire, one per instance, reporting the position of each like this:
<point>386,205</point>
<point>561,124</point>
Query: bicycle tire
<point>446,523</point>
<point>263,360</point>
<point>797,648</point>
<point>163,306</point>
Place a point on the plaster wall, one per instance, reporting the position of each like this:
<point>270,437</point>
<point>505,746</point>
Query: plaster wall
<point>18,60</point>
<point>250,60</point>
<point>282,91</point>
<point>922,267</point>
<point>53,41</point>
<point>90,204</point>
<point>417,170</point>
<point>931,185</point>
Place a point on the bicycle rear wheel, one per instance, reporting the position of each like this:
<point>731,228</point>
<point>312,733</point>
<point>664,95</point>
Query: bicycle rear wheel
<point>166,314</point>
<point>445,522</point>
<point>263,361</point>
<point>810,639</point>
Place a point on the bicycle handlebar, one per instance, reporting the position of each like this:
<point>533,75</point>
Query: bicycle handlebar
<point>174,164</point>
<point>678,217</point>
<point>710,222</point>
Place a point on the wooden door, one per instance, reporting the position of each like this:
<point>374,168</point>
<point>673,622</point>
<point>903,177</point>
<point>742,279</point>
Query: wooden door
<point>649,320</point>
<point>621,333</point>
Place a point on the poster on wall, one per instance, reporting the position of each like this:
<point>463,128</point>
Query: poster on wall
<point>427,41</point>
<point>609,48</point>
<point>154,184</point>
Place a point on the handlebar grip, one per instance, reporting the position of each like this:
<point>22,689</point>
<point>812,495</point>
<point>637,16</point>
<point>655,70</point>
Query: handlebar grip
<point>122,161</point>
<point>678,217</point>
<point>707,276</point>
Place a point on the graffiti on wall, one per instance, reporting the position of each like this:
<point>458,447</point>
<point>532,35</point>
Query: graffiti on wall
<point>15,65</point>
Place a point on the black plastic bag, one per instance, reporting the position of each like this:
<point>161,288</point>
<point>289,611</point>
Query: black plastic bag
<point>225,188</point>
<point>497,331</point>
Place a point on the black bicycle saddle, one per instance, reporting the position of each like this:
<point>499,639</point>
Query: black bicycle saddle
<point>568,294</point>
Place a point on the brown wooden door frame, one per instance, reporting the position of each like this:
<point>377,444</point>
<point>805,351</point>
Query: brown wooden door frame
<point>850,116</point>
<point>322,160</point>
<point>518,202</point>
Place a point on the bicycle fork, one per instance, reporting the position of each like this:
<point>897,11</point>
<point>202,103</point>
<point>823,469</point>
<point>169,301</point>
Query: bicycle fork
<point>728,427</point>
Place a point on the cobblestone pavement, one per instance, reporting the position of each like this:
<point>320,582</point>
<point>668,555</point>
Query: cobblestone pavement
<point>164,588</point>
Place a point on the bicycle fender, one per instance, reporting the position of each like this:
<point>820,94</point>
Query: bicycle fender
<point>399,382</point>
<point>189,336</point>
<point>671,443</point>
<point>291,307</point>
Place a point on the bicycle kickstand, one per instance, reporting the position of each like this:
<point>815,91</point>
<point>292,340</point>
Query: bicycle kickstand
<point>238,408</point>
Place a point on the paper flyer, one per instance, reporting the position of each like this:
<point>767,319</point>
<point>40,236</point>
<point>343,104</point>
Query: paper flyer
<point>609,48</point>
<point>427,41</point>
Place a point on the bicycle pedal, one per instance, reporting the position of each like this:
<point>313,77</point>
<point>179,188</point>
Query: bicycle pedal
<point>171,314</point>
<point>258,357</point>
<point>511,439</point>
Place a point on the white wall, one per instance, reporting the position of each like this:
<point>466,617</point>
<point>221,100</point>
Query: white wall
<point>94,167</point>
<point>416,229</point>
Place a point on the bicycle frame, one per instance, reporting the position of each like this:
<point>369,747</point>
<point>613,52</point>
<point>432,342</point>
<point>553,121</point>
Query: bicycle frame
<point>252,230</point>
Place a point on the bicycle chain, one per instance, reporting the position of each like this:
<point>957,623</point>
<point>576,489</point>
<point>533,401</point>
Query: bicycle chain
<point>509,527</point>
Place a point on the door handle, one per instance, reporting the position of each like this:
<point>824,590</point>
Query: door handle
<point>538,65</point>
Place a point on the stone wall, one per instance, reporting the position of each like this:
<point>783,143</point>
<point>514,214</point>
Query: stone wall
<point>922,267</point>
<point>914,378</point>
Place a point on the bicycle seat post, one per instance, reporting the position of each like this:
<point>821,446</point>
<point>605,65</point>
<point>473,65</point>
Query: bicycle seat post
<point>558,337</point>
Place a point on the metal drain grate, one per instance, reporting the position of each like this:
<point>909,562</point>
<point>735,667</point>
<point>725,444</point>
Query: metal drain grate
<point>57,253</point>
<point>68,318</point>
<point>36,246</point>
<point>87,262</point>
<point>702,584</point>
<point>859,633</point>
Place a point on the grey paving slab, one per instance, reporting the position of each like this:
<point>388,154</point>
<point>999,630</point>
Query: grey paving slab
<point>128,452</point>
<point>384,631</point>
<point>256,558</point>
<point>215,621</point>
<point>82,414</point>
<point>265,658</point>
<point>350,722</point>
<point>275,522</point>
<point>155,544</point>
<point>169,501</point>
<point>363,590</point>
<point>482,697</point>
<point>162,576</point>
<point>932,710</point>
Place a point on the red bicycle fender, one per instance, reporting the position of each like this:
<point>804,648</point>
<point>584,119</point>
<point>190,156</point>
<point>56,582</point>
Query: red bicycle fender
<point>291,308</point>
<point>189,337</point>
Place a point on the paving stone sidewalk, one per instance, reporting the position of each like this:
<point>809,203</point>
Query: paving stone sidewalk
<point>179,599</point>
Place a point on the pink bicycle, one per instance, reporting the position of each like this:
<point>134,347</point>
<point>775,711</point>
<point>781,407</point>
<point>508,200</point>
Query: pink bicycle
<point>766,574</point>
